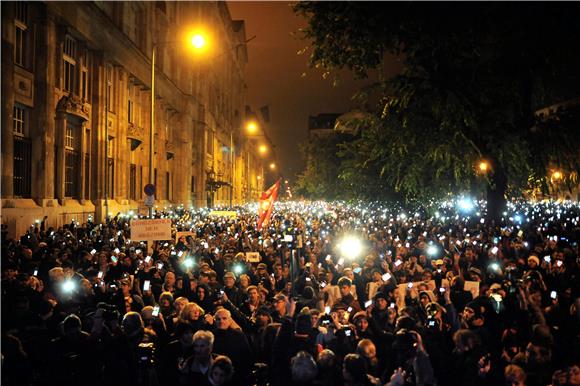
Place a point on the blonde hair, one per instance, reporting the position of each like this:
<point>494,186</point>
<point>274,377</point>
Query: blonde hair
<point>188,311</point>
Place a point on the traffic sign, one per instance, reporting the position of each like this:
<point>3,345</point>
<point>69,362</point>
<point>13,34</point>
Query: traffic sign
<point>149,200</point>
<point>149,189</point>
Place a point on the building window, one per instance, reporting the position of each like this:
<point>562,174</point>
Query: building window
<point>85,83</point>
<point>72,159</point>
<point>110,93</point>
<point>69,63</point>
<point>111,178</point>
<point>20,120</point>
<point>21,34</point>
<point>111,167</point>
<point>133,182</point>
<point>87,176</point>
<point>167,185</point>
<point>130,111</point>
<point>22,157</point>
<point>209,145</point>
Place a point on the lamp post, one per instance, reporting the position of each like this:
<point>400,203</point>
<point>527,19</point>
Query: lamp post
<point>198,41</point>
<point>152,123</point>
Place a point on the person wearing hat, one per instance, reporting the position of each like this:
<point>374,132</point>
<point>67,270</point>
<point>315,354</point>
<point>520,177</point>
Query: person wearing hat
<point>230,289</point>
<point>533,262</point>
<point>126,300</point>
<point>280,306</point>
<point>475,274</point>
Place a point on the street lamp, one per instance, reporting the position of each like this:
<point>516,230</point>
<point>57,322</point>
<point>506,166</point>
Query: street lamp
<point>272,166</point>
<point>263,149</point>
<point>198,42</point>
<point>252,127</point>
<point>483,166</point>
<point>557,175</point>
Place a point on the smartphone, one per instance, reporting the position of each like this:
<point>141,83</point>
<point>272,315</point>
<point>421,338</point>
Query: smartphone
<point>392,305</point>
<point>386,276</point>
<point>547,258</point>
<point>357,270</point>
<point>146,285</point>
<point>410,285</point>
<point>398,262</point>
<point>155,311</point>
<point>35,272</point>
<point>327,310</point>
<point>368,304</point>
<point>559,263</point>
<point>288,238</point>
<point>349,310</point>
<point>554,295</point>
<point>100,275</point>
<point>116,250</point>
<point>159,265</point>
<point>322,285</point>
<point>147,259</point>
<point>114,259</point>
<point>441,289</point>
<point>93,251</point>
<point>347,332</point>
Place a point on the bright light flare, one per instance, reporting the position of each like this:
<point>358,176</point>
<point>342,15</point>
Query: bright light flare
<point>350,247</point>
<point>432,250</point>
<point>198,41</point>
<point>465,204</point>
<point>68,286</point>
<point>252,127</point>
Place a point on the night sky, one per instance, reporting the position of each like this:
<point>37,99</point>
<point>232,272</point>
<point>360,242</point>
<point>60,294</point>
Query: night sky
<point>274,77</point>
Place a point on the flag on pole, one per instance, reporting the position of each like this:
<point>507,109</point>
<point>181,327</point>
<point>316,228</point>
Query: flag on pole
<point>267,205</point>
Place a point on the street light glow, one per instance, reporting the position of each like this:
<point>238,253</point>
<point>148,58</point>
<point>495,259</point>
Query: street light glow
<point>483,166</point>
<point>263,149</point>
<point>272,166</point>
<point>252,127</point>
<point>198,41</point>
<point>557,175</point>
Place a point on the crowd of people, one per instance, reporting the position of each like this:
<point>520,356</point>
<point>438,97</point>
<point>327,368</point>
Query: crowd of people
<point>325,294</point>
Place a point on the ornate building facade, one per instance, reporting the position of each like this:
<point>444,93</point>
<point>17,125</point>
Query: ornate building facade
<point>76,110</point>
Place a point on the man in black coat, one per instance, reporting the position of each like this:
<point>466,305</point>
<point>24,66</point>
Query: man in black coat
<point>234,344</point>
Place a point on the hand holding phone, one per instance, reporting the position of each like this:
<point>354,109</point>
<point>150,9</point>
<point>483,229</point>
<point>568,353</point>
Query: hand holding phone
<point>146,285</point>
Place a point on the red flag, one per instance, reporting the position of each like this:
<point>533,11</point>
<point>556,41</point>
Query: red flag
<point>267,205</point>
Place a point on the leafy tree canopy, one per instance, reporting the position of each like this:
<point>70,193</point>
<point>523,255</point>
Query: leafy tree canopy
<point>473,77</point>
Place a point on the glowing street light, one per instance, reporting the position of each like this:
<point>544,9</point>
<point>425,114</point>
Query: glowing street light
<point>198,41</point>
<point>557,175</point>
<point>272,166</point>
<point>263,149</point>
<point>483,166</point>
<point>252,127</point>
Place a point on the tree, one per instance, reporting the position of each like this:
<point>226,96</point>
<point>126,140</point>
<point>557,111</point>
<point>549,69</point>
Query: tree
<point>319,180</point>
<point>472,79</point>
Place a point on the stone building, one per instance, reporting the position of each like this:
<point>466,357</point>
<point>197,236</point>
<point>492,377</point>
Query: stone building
<point>76,109</point>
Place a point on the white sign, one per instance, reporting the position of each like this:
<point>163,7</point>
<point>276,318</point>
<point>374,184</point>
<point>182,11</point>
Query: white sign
<point>146,230</point>
<point>149,200</point>
<point>253,257</point>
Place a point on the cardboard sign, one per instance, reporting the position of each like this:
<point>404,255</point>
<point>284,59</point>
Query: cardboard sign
<point>180,234</point>
<point>147,230</point>
<point>473,287</point>
<point>223,213</point>
<point>253,257</point>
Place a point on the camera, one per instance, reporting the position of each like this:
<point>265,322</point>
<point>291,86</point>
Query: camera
<point>109,311</point>
<point>146,354</point>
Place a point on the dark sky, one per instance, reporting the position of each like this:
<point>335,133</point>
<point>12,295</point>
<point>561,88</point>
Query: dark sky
<point>274,77</point>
